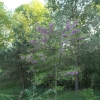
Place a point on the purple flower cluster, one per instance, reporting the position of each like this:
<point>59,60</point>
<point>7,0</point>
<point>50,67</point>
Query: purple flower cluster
<point>44,31</point>
<point>38,28</point>
<point>34,62</point>
<point>81,38</point>
<point>64,30</point>
<point>71,73</point>
<point>45,36</point>
<point>64,35</point>
<point>22,57</point>
<point>42,57</point>
<point>44,40</point>
<point>28,51</point>
<point>76,22</point>
<point>67,21</point>
<point>32,41</point>
<point>74,31</point>
<point>29,58</point>
<point>68,27</point>
<point>31,50</point>
<point>51,27</point>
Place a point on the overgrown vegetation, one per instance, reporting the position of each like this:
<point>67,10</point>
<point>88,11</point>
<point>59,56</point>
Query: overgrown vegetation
<point>51,51</point>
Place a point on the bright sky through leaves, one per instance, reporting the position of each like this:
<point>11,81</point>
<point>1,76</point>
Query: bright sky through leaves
<point>12,4</point>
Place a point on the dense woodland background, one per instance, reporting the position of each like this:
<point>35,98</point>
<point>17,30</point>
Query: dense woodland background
<point>55,46</point>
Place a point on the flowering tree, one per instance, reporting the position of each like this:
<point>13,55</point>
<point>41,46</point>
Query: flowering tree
<point>51,39</point>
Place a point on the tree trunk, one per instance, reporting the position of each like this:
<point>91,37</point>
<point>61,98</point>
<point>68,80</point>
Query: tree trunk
<point>77,83</point>
<point>22,77</point>
<point>77,64</point>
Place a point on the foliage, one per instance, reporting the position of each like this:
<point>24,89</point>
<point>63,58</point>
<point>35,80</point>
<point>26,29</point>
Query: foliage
<point>5,24</point>
<point>51,39</point>
<point>23,24</point>
<point>33,94</point>
<point>89,22</point>
<point>49,50</point>
<point>88,94</point>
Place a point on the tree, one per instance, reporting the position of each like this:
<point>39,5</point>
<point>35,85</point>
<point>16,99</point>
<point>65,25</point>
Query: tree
<point>75,10</point>
<point>50,45</point>
<point>5,23</point>
<point>25,19</point>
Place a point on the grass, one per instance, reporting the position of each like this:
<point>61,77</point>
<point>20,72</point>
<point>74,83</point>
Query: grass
<point>62,95</point>
<point>67,95</point>
<point>8,92</point>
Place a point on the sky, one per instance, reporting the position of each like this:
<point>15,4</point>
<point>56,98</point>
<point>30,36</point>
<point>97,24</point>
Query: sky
<point>12,4</point>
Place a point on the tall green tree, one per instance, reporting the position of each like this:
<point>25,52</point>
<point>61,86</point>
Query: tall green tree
<point>25,19</point>
<point>75,10</point>
<point>5,23</point>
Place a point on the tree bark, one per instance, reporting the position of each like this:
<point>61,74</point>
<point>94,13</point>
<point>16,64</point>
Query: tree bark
<point>77,64</point>
<point>22,77</point>
<point>77,83</point>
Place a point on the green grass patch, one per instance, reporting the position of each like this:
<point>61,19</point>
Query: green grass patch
<point>62,95</point>
<point>9,92</point>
